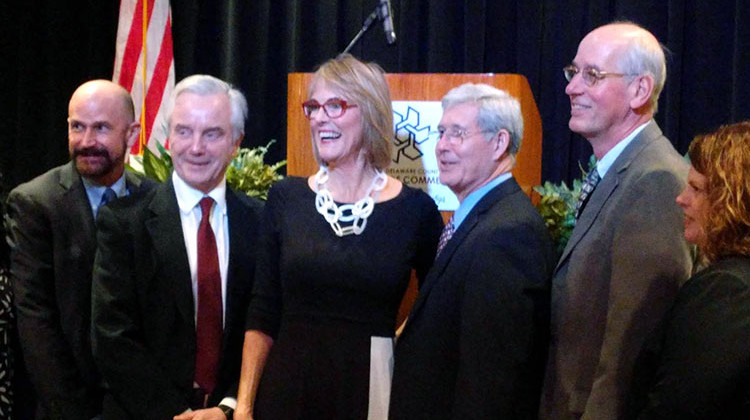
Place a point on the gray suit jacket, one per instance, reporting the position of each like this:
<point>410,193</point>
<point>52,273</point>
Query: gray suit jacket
<point>53,238</point>
<point>618,275</point>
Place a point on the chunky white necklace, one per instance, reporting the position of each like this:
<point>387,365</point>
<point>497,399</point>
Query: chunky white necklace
<point>357,213</point>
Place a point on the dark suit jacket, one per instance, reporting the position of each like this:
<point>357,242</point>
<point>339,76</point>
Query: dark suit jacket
<point>53,239</point>
<point>696,366</point>
<point>143,321</point>
<point>475,342</point>
<point>617,276</point>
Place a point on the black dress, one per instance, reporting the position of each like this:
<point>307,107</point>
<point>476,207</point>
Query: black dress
<point>323,297</point>
<point>698,365</point>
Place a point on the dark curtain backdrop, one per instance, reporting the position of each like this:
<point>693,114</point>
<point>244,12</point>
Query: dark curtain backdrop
<point>50,47</point>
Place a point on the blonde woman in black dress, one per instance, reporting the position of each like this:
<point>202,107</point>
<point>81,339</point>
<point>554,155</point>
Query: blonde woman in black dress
<point>336,252</point>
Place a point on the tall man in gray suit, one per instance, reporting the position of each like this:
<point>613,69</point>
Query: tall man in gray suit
<point>53,238</point>
<point>626,257</point>
<point>174,270</point>
<point>475,342</point>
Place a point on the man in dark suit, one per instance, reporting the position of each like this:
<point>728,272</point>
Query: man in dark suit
<point>53,238</point>
<point>626,257</point>
<point>475,341</point>
<point>174,271</point>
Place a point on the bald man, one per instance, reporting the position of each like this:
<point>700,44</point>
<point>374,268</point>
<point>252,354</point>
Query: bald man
<point>52,238</point>
<point>626,257</point>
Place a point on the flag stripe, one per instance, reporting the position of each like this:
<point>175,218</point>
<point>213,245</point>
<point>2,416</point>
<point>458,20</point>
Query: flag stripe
<point>159,79</point>
<point>123,29</point>
<point>132,48</point>
<point>149,77</point>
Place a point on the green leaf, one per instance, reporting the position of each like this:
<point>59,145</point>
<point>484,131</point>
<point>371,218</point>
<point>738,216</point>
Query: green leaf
<point>157,167</point>
<point>247,172</point>
<point>557,205</point>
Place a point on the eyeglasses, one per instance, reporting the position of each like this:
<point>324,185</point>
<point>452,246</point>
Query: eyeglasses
<point>454,135</point>
<point>333,108</point>
<point>590,75</point>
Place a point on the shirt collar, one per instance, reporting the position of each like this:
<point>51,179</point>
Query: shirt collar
<point>188,197</point>
<point>472,199</point>
<point>96,191</point>
<point>609,158</point>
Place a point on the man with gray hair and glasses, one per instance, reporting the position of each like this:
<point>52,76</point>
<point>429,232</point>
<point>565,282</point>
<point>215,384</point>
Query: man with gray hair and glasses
<point>474,344</point>
<point>174,271</point>
<point>626,257</point>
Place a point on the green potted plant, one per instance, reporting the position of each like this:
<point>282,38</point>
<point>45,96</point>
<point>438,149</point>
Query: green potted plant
<point>557,205</point>
<point>247,172</point>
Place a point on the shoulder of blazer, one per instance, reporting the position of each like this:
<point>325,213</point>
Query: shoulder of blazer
<point>509,187</point>
<point>137,183</point>
<point>74,194</point>
<point>241,202</point>
<point>51,185</point>
<point>629,155</point>
<point>68,176</point>
<point>162,199</point>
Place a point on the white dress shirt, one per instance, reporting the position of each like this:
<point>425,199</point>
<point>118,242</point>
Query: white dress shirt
<point>188,199</point>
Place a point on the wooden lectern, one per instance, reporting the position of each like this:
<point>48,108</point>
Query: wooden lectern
<point>422,87</point>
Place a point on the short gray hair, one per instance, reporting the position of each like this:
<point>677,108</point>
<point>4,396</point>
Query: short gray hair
<point>644,56</point>
<point>203,84</point>
<point>497,110</point>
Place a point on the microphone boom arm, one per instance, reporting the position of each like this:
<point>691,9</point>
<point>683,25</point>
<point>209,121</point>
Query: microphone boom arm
<point>365,26</point>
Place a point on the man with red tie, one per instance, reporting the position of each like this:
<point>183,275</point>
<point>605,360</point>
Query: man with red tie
<point>174,271</point>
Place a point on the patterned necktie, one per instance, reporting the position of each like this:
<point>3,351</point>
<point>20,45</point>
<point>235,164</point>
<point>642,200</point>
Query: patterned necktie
<point>109,195</point>
<point>445,236</point>
<point>588,187</point>
<point>209,322</point>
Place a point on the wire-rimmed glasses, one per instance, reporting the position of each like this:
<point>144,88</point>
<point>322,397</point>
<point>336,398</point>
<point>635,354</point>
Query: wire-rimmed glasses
<point>590,75</point>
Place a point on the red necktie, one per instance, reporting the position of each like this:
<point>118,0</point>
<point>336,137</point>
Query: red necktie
<point>209,324</point>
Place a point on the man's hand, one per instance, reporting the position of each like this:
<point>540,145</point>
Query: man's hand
<point>213,413</point>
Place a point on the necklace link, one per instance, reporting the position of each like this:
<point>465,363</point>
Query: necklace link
<point>356,213</point>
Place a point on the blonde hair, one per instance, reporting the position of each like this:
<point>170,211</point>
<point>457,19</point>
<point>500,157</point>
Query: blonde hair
<point>364,85</point>
<point>723,157</point>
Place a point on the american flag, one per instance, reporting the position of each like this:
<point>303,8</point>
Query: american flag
<point>144,65</point>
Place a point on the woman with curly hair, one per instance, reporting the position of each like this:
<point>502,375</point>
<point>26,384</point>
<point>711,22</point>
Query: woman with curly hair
<point>699,366</point>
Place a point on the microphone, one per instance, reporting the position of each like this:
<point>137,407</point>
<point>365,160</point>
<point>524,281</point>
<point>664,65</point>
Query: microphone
<point>384,10</point>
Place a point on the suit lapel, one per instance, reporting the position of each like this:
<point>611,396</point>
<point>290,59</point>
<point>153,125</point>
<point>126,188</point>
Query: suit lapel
<point>600,196</point>
<point>238,237</point>
<point>132,182</point>
<point>467,226</point>
<point>165,228</point>
<point>76,201</point>
<point>607,187</point>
